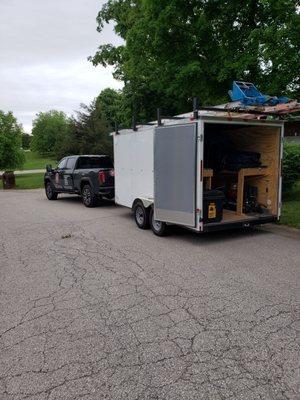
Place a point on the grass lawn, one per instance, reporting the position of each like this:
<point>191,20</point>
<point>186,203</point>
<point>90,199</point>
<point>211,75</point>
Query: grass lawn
<point>291,207</point>
<point>30,181</point>
<point>35,161</point>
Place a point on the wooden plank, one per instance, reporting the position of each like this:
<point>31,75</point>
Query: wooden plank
<point>255,171</point>
<point>208,173</point>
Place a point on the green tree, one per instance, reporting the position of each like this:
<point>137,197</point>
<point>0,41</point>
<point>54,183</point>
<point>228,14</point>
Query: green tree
<point>26,140</point>
<point>11,155</point>
<point>94,129</point>
<point>89,130</point>
<point>49,131</point>
<point>176,49</point>
<point>114,108</point>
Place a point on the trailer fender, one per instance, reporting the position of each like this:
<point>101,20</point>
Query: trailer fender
<point>146,202</point>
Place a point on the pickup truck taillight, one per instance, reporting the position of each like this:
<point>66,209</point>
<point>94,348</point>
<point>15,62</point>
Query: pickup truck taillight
<point>111,172</point>
<point>101,177</point>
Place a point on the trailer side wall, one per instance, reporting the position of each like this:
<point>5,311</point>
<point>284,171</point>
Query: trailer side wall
<point>133,154</point>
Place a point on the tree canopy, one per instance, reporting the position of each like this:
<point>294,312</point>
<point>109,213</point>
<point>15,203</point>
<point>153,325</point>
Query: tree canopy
<point>113,105</point>
<point>49,130</point>
<point>26,140</point>
<point>176,49</point>
<point>11,155</point>
<point>88,133</point>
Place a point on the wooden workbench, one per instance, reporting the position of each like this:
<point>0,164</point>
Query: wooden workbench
<point>242,174</point>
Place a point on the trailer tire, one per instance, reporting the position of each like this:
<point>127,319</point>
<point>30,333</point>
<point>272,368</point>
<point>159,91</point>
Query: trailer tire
<point>89,198</point>
<point>50,191</point>
<point>159,228</point>
<point>141,215</point>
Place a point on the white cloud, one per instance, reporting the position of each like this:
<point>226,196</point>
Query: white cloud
<point>44,47</point>
<point>25,90</point>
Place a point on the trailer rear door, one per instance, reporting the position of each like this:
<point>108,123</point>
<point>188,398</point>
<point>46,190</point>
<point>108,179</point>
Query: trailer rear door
<point>175,174</point>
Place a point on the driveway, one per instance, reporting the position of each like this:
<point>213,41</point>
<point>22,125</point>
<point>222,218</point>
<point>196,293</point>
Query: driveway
<point>93,308</point>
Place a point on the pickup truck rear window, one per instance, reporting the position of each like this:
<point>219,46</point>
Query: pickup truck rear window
<point>94,162</point>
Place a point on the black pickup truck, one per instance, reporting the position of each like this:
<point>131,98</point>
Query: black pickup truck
<point>90,176</point>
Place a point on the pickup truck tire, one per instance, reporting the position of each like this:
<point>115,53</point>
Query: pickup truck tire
<point>159,228</point>
<point>89,198</point>
<point>50,191</point>
<point>141,215</point>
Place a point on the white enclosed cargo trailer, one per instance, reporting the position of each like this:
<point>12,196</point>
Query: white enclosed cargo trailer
<point>160,171</point>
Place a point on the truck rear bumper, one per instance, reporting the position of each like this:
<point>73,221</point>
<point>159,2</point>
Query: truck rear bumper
<point>106,190</point>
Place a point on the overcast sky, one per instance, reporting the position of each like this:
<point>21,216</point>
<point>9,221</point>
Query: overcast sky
<point>44,45</point>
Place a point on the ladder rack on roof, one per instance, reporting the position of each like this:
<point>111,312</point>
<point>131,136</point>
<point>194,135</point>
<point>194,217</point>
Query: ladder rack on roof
<point>278,110</point>
<point>247,101</point>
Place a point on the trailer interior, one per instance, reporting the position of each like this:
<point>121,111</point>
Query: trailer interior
<point>251,191</point>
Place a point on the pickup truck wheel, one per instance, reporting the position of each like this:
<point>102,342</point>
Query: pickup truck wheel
<point>50,191</point>
<point>159,228</point>
<point>141,215</point>
<point>88,196</point>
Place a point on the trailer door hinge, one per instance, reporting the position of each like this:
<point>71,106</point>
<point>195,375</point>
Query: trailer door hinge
<point>200,138</point>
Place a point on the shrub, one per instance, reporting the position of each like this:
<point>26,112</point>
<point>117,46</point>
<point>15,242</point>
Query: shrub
<point>291,165</point>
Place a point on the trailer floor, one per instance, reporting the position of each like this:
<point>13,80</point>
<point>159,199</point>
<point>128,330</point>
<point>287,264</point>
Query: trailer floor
<point>232,216</point>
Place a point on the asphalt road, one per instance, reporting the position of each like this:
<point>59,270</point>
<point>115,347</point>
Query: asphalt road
<point>93,308</point>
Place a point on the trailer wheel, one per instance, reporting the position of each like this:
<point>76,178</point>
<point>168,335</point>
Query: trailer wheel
<point>159,228</point>
<point>141,215</point>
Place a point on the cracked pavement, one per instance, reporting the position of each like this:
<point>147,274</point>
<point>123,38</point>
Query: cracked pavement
<point>93,308</point>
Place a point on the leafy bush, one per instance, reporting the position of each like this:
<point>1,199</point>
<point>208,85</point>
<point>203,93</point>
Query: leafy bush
<point>291,165</point>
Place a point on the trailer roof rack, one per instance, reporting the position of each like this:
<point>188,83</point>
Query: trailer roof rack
<point>239,111</point>
<point>278,111</point>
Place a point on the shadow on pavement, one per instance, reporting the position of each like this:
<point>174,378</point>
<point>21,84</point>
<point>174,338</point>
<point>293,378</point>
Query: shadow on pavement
<point>206,237</point>
<point>218,236</point>
<point>77,199</point>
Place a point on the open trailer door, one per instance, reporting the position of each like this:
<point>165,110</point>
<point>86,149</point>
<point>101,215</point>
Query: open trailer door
<point>175,161</point>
